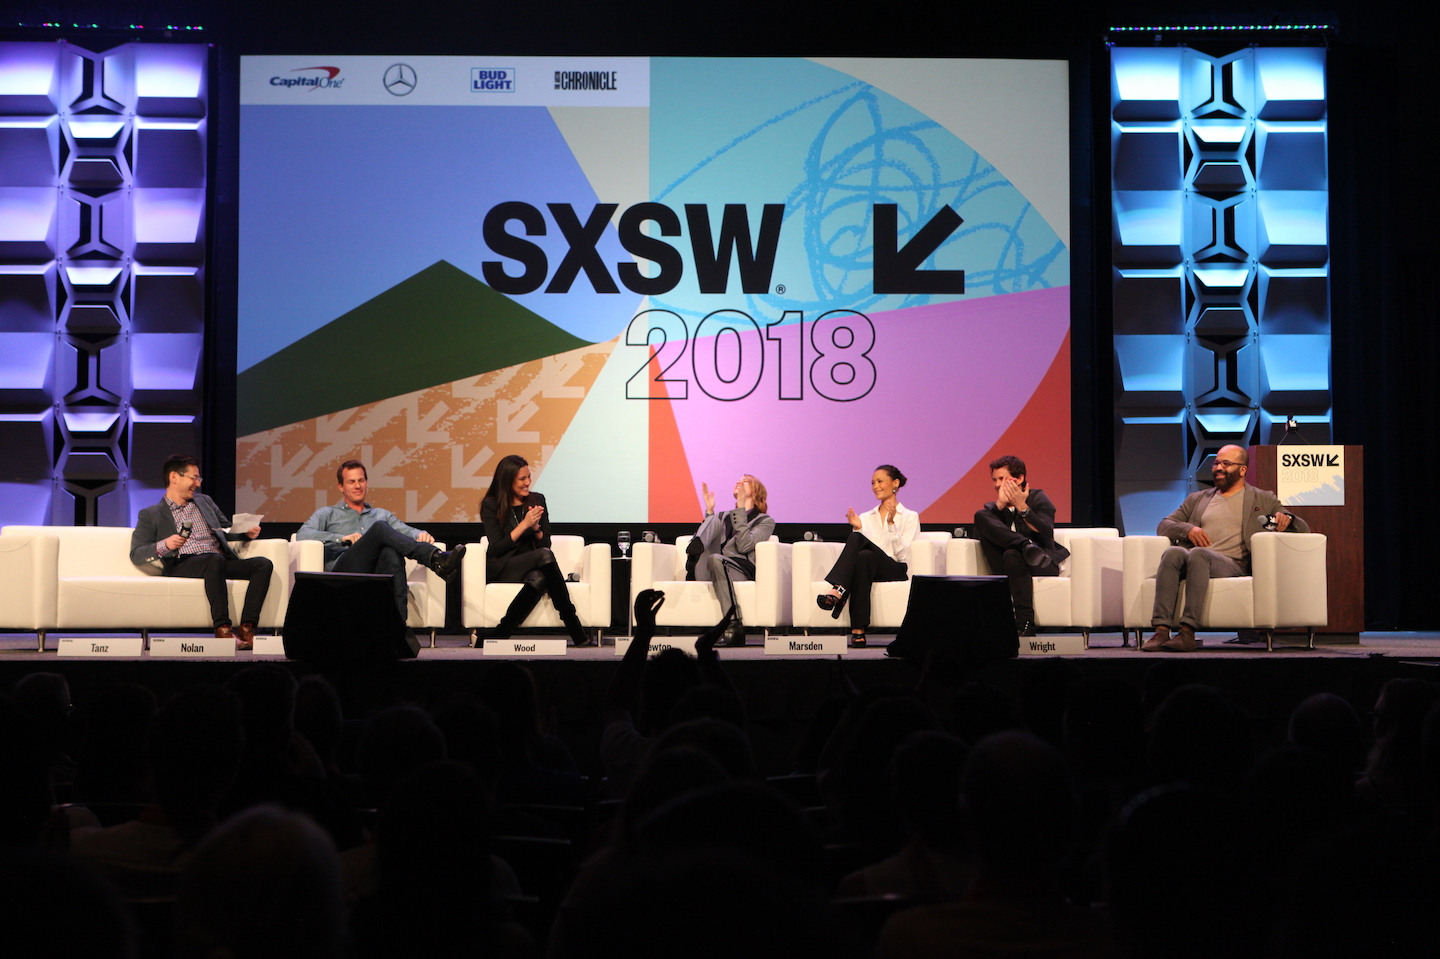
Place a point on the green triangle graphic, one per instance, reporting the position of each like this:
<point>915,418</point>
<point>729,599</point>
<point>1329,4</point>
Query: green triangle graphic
<point>438,326</point>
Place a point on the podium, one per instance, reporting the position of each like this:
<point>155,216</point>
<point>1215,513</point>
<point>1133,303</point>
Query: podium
<point>1344,528</point>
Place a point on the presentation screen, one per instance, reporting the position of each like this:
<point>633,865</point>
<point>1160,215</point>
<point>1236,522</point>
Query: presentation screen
<point>645,274</point>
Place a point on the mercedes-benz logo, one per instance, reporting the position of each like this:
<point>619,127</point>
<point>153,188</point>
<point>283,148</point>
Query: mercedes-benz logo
<point>400,79</point>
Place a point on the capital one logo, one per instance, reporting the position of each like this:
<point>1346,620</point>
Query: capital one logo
<point>331,79</point>
<point>897,268</point>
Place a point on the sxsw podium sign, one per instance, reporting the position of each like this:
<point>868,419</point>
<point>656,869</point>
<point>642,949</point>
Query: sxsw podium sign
<point>1311,475</point>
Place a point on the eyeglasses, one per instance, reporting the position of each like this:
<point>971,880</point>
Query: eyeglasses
<point>1227,463</point>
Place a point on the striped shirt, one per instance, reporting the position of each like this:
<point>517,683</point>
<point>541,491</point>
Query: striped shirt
<point>202,537</point>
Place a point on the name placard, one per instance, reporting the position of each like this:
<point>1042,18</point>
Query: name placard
<point>208,646</point>
<point>658,644</point>
<point>269,646</point>
<point>100,646</point>
<point>806,645</point>
<point>525,647</point>
<point>1060,644</point>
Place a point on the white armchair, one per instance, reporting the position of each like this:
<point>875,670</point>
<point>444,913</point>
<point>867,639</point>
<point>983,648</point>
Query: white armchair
<point>484,604</point>
<point>764,603</point>
<point>426,608</point>
<point>888,601</point>
<point>1286,586</point>
<point>81,577</point>
<point>1086,595</point>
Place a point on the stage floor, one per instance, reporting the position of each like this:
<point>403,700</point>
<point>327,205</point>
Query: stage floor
<point>19,647</point>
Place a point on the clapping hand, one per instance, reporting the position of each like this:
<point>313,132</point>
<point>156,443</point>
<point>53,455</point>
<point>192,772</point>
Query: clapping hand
<point>532,516</point>
<point>852,518</point>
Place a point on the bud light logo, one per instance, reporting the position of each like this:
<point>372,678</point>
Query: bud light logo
<point>492,80</point>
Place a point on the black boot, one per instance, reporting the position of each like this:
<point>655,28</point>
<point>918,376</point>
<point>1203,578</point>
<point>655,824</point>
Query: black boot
<point>560,598</point>
<point>734,634</point>
<point>520,607</point>
<point>445,565</point>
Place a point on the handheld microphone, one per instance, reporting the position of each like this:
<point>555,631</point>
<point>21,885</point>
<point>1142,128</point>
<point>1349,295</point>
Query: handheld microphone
<point>185,529</point>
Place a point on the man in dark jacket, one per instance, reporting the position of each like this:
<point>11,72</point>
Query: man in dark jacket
<point>1017,536</point>
<point>187,535</point>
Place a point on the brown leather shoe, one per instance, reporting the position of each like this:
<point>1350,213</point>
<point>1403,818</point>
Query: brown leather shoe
<point>224,632</point>
<point>245,636</point>
<point>1157,642</point>
<point>1182,642</point>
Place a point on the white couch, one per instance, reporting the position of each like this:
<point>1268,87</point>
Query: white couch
<point>888,601</point>
<point>764,603</point>
<point>427,588</point>
<point>1086,595</point>
<point>484,604</point>
<point>1286,586</point>
<point>81,577</point>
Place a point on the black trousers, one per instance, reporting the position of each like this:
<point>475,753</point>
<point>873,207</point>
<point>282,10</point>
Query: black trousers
<point>537,569</point>
<point>215,569</point>
<point>1004,550</point>
<point>384,550</point>
<point>861,563</point>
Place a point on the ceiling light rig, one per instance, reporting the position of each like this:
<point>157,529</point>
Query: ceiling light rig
<point>1274,33</point>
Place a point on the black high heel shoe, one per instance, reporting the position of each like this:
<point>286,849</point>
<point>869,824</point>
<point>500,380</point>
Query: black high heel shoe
<point>829,601</point>
<point>857,640</point>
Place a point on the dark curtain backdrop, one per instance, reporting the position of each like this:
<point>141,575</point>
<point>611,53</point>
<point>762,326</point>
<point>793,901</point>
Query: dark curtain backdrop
<point>1386,340</point>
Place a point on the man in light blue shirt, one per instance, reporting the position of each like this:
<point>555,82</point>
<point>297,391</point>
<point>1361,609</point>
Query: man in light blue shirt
<point>360,538</point>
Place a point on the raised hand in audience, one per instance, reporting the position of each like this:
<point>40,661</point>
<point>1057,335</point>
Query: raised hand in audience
<point>705,642</point>
<point>647,604</point>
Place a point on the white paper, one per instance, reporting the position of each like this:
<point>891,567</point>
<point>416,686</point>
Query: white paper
<point>245,522</point>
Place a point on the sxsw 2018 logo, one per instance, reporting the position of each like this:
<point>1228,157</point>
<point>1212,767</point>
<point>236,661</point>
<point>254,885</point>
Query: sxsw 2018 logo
<point>1309,460</point>
<point>896,268</point>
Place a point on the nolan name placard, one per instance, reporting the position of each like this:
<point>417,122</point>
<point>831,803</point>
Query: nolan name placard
<point>206,646</point>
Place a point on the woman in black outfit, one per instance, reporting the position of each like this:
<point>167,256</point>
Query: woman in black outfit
<point>876,551</point>
<point>518,528</point>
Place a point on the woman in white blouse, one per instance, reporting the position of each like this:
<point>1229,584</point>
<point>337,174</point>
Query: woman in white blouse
<point>875,552</point>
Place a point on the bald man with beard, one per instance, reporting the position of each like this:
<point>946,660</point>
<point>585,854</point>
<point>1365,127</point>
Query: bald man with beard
<point>1211,531</point>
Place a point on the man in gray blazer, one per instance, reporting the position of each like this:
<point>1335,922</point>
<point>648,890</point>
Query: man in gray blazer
<point>186,535</point>
<point>726,547</point>
<point>1212,530</point>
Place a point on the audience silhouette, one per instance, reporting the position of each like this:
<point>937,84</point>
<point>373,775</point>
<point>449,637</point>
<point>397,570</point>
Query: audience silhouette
<point>1046,811</point>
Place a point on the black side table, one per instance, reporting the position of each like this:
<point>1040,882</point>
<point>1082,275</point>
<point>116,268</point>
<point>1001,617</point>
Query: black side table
<point>621,612</point>
<point>966,621</point>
